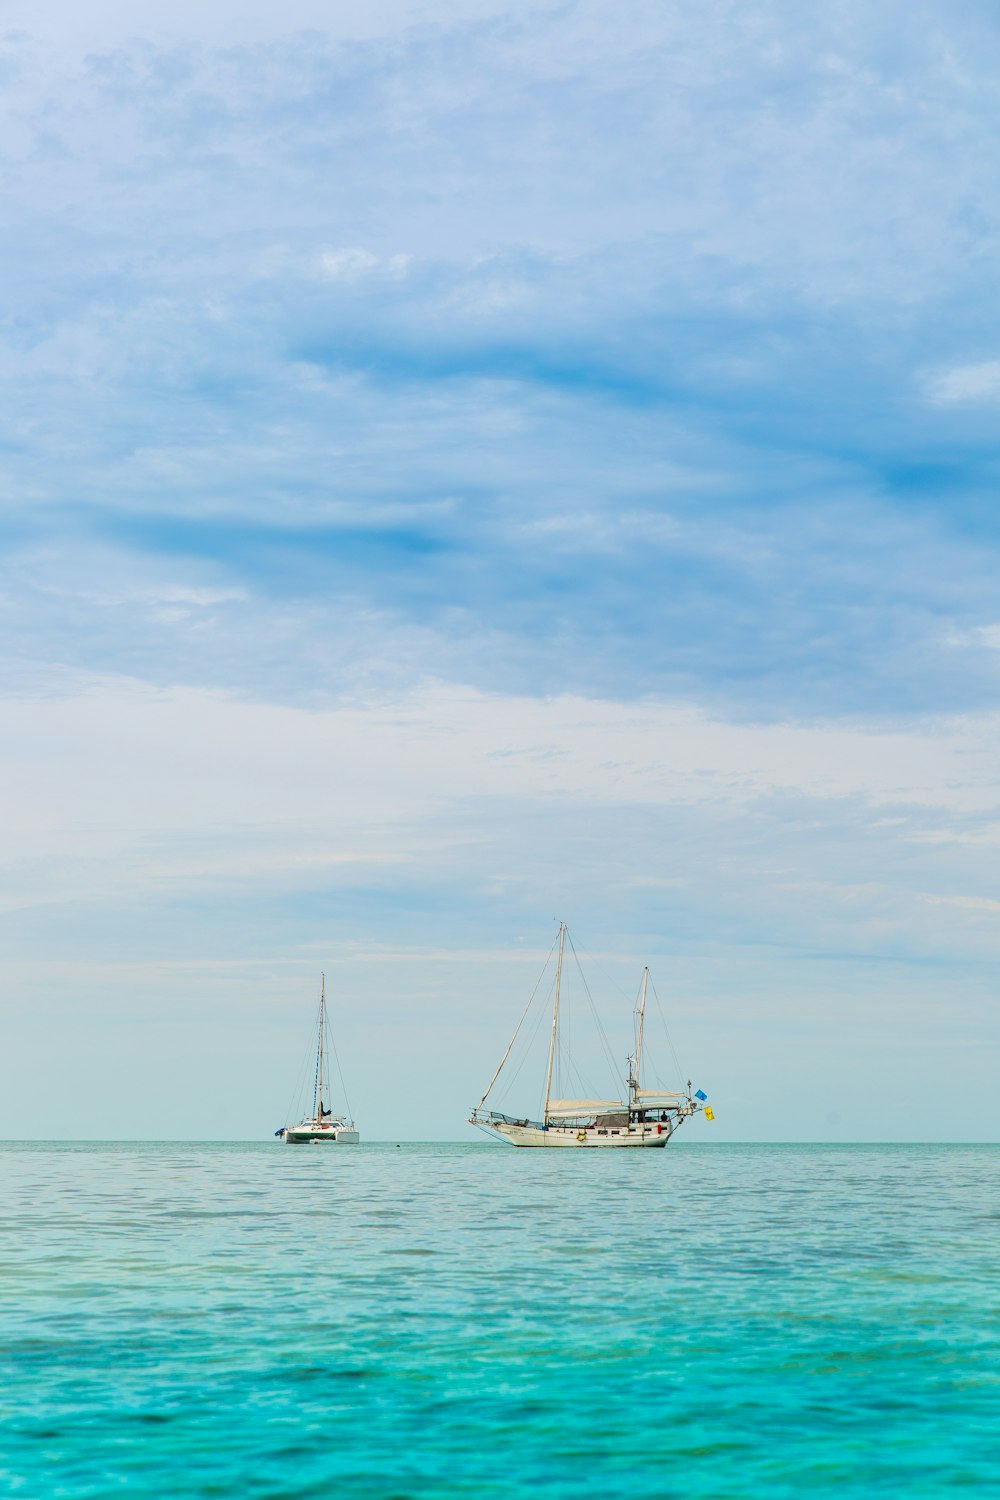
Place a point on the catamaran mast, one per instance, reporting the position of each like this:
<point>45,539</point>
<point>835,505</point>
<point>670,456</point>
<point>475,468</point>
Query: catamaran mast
<point>318,1095</point>
<point>555,1022</point>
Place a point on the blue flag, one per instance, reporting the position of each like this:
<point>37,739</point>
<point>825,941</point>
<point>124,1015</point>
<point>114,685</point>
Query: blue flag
<point>700,1094</point>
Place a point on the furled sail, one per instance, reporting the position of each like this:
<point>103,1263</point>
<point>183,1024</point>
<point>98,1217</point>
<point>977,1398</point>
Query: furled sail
<point>582,1106</point>
<point>648,1117</point>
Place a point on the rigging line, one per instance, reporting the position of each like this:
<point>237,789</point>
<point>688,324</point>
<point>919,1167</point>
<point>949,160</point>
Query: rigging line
<point>297,1098</point>
<point>666,1032</point>
<point>600,1029</point>
<point>319,1054</point>
<point>564,1042</point>
<point>505,1091</point>
<point>517,1028</point>
<point>571,1080</point>
<point>343,1087</point>
<point>649,1061</point>
<point>612,1064</point>
<point>614,984</point>
<point>526,1051</point>
<point>583,1088</point>
<point>340,1073</point>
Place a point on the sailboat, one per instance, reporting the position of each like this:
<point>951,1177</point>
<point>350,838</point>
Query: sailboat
<point>646,1118</point>
<point>322,1125</point>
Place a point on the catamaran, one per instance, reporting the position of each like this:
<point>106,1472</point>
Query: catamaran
<point>647,1117</point>
<point>322,1125</point>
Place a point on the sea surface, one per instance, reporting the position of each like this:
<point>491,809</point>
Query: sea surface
<point>472,1320</point>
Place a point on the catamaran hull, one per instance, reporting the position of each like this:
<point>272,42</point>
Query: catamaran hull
<point>295,1137</point>
<point>644,1137</point>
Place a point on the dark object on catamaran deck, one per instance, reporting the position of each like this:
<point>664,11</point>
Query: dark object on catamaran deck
<point>322,1126</point>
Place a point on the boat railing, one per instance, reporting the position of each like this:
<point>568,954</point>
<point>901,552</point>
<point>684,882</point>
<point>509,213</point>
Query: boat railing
<point>494,1117</point>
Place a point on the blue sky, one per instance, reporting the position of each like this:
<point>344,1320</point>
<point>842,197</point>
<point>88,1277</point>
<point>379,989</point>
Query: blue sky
<point>469,465</point>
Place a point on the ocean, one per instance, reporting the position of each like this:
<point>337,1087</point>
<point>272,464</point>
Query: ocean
<point>380,1322</point>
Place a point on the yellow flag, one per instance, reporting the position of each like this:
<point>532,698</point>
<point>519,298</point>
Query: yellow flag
<point>709,1115</point>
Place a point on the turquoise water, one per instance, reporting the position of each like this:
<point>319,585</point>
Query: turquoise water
<point>257,1321</point>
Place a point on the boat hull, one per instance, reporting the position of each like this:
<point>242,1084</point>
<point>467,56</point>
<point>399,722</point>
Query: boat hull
<point>336,1135</point>
<point>562,1137</point>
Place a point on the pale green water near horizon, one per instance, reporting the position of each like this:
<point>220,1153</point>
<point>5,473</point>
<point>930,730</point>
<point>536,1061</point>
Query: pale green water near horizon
<point>197,1319</point>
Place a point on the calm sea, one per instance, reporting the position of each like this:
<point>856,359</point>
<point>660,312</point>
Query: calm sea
<point>451,1320</point>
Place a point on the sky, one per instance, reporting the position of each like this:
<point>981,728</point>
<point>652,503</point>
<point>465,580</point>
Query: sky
<point>470,466</point>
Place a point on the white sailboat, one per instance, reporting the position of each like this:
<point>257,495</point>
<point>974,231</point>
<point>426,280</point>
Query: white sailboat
<point>646,1118</point>
<point>321,1125</point>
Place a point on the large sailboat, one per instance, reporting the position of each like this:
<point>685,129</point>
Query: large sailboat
<point>321,1125</point>
<point>645,1118</point>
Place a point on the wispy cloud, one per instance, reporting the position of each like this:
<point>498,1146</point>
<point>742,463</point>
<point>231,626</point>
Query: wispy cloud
<point>966,903</point>
<point>261,791</point>
<point>966,383</point>
<point>352,263</point>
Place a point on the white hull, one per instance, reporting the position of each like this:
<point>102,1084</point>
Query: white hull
<point>323,1127</point>
<point>333,1135</point>
<point>643,1120</point>
<point>583,1139</point>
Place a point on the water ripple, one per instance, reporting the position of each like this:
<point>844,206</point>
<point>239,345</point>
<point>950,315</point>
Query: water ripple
<point>189,1321</point>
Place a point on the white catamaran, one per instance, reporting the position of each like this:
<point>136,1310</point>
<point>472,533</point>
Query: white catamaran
<point>648,1117</point>
<point>322,1124</point>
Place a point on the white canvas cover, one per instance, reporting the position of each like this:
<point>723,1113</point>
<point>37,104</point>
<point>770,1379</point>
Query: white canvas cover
<point>582,1106</point>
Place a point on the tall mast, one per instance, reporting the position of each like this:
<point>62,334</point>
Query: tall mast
<point>318,1101</point>
<point>555,1021</point>
<point>641,1015</point>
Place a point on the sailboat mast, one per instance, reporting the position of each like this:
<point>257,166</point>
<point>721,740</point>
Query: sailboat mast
<point>555,1021</point>
<point>318,1101</point>
<point>638,1033</point>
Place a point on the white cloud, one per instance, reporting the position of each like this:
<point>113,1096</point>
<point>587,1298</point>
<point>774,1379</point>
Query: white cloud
<point>123,786</point>
<point>967,903</point>
<point>963,384</point>
<point>981,636</point>
<point>351,263</point>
